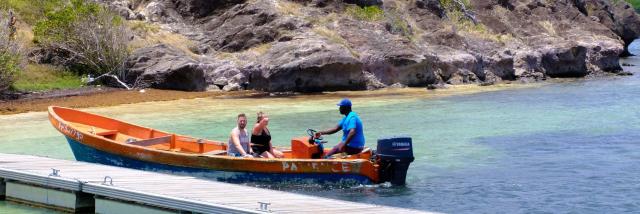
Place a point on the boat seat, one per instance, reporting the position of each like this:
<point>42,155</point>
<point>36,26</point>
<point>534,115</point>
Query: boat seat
<point>365,154</point>
<point>216,152</point>
<point>366,150</point>
<point>107,132</point>
<point>151,141</point>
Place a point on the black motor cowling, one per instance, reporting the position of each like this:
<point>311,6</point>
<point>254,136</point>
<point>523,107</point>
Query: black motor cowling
<point>394,154</point>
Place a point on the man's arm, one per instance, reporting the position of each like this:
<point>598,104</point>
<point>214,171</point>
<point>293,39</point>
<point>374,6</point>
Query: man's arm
<point>352,132</point>
<point>257,130</point>
<point>330,131</point>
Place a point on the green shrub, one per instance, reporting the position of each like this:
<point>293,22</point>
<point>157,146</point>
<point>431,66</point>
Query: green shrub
<point>634,3</point>
<point>10,54</point>
<point>10,66</point>
<point>93,39</point>
<point>30,11</point>
<point>57,24</point>
<point>369,13</point>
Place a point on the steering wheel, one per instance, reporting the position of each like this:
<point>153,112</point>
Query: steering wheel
<point>312,134</point>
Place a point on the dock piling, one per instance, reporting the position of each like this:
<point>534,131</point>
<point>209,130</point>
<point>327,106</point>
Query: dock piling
<point>107,205</point>
<point>58,199</point>
<point>2,188</point>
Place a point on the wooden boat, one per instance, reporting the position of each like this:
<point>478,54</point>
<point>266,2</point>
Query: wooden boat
<point>99,139</point>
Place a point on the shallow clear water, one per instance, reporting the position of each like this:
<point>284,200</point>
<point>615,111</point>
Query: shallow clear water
<point>13,208</point>
<point>558,147</point>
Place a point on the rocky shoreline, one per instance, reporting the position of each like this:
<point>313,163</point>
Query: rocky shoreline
<point>322,45</point>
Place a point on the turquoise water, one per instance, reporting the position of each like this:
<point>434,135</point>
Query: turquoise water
<point>559,147</point>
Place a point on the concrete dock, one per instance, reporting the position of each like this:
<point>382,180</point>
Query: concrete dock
<point>86,187</point>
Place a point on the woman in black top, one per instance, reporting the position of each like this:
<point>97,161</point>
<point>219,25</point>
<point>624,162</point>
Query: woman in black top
<point>261,138</point>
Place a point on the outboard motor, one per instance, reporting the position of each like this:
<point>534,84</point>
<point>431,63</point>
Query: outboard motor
<point>394,154</point>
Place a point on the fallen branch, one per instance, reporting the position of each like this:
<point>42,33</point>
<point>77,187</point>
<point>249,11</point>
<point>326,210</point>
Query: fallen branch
<point>115,81</point>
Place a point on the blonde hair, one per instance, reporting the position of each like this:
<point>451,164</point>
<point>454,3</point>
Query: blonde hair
<point>260,115</point>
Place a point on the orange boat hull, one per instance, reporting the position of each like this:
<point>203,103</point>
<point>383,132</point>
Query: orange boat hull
<point>98,139</point>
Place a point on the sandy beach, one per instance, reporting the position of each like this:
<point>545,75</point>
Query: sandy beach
<point>95,97</point>
<point>101,96</point>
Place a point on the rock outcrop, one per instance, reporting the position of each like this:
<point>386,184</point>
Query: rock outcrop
<point>618,16</point>
<point>307,64</point>
<point>244,26</point>
<point>320,45</point>
<point>164,67</point>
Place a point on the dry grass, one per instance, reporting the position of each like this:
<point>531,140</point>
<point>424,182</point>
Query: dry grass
<point>226,55</point>
<point>156,35</point>
<point>229,56</point>
<point>142,27</point>
<point>548,26</point>
<point>243,57</point>
<point>326,20</point>
<point>334,37</point>
<point>260,49</point>
<point>289,8</point>
<point>24,34</point>
<point>466,27</point>
<point>481,31</point>
<point>329,34</point>
<point>240,58</point>
<point>502,13</point>
<point>137,4</point>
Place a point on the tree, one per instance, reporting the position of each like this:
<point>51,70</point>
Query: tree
<point>90,37</point>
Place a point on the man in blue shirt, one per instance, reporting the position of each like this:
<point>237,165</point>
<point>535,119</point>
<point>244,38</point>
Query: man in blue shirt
<point>352,131</point>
